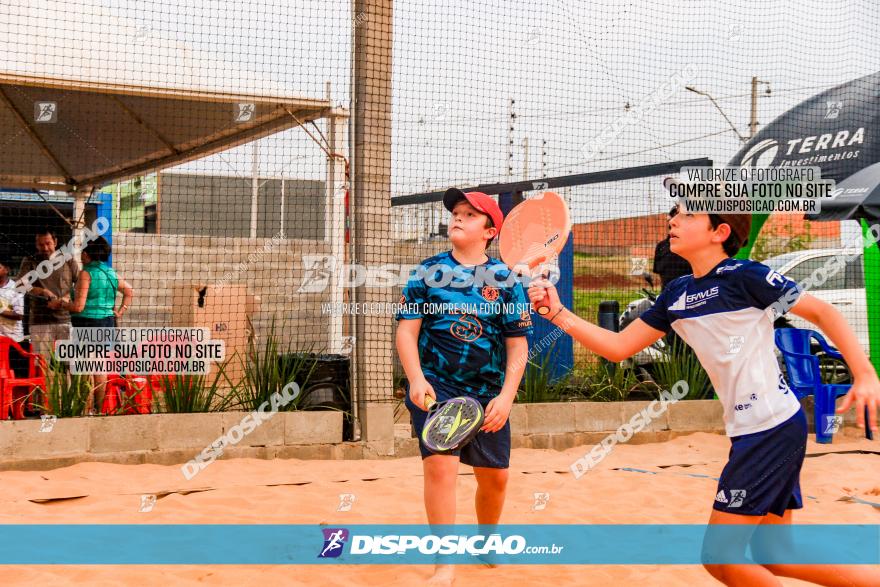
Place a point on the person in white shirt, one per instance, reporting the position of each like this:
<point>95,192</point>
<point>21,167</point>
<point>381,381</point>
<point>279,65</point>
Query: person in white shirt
<point>11,306</point>
<point>11,315</point>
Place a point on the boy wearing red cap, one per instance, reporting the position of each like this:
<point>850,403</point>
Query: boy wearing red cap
<point>725,310</point>
<point>474,346</point>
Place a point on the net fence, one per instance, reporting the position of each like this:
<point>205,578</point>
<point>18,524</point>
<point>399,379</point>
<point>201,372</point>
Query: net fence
<point>266,170</point>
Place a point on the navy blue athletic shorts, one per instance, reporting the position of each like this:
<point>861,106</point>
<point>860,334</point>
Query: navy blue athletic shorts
<point>762,474</point>
<point>486,449</point>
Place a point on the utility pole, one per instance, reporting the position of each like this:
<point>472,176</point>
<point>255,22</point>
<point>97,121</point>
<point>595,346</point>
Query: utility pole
<point>753,121</point>
<point>543,157</point>
<point>510,121</point>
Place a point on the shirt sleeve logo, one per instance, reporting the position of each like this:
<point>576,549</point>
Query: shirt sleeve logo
<point>774,278</point>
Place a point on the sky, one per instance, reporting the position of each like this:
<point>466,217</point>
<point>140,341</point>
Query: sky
<point>574,70</point>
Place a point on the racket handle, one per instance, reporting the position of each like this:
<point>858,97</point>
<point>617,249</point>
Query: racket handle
<point>868,433</point>
<point>429,401</point>
<point>542,307</point>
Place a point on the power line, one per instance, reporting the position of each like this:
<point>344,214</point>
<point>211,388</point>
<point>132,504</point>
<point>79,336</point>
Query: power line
<point>550,114</point>
<point>486,178</point>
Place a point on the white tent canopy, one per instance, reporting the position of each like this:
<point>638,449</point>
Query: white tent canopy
<point>124,102</point>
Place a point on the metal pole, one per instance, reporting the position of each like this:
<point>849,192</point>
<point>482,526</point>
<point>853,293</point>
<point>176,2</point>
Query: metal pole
<point>281,231</point>
<point>334,222</point>
<point>255,190</point>
<point>753,121</point>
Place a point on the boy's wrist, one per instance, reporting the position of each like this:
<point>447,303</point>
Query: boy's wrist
<point>508,393</point>
<point>867,373</point>
<point>555,313</point>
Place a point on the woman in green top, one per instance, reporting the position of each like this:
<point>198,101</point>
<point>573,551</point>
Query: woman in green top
<point>94,298</point>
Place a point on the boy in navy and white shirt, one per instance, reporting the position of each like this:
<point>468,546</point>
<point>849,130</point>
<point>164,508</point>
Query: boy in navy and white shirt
<point>725,311</point>
<point>725,317</point>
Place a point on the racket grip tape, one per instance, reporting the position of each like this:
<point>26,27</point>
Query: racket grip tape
<point>429,401</point>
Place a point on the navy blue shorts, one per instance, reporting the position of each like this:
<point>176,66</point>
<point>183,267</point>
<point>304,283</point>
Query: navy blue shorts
<point>762,474</point>
<point>486,449</point>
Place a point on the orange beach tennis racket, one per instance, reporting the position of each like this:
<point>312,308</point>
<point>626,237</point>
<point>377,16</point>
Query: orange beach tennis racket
<point>532,236</point>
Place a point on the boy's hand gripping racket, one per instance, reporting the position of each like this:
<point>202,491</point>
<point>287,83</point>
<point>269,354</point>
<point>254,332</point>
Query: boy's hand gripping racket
<point>451,424</point>
<point>533,234</point>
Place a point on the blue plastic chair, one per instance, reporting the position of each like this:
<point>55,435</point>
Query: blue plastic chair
<point>805,378</point>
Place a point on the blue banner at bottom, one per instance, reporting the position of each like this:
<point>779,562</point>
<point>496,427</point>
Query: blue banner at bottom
<point>631,544</point>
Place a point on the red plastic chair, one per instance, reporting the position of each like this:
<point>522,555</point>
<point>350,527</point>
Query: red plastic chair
<point>12,399</point>
<point>133,393</point>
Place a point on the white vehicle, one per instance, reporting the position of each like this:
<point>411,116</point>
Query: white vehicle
<point>845,290</point>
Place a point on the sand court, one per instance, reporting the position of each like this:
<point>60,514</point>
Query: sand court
<point>670,482</point>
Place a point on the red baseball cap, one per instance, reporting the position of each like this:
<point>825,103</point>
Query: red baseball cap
<point>482,202</point>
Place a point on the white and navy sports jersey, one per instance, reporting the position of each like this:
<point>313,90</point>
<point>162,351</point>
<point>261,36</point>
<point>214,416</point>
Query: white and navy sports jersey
<point>727,317</point>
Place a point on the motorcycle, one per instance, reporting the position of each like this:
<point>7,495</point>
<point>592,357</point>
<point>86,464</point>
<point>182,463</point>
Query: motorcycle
<point>643,361</point>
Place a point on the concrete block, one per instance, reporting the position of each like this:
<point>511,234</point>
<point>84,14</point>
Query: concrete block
<point>562,441</point>
<point>519,418</point>
<point>654,424</point>
<point>169,457</point>
<point>696,416</point>
<point>248,452</point>
<point>67,437</point>
<point>520,441</point>
<point>378,421</point>
<point>318,427</point>
<point>7,436</point>
<point>375,449</point>
<point>189,431</point>
<point>540,440</point>
<point>137,457</point>
<point>39,464</point>
<point>587,440</point>
<point>406,447</point>
<point>403,430</point>
<point>598,416</point>
<point>322,452</point>
<point>349,451</point>
<point>550,418</point>
<point>113,434</point>
<point>269,433</point>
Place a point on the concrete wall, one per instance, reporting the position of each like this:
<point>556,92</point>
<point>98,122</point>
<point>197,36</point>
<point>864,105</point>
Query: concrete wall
<point>208,205</point>
<point>176,438</point>
<point>561,426</point>
<point>165,439</point>
<point>273,270</point>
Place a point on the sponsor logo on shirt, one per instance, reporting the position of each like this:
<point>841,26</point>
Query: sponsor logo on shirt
<point>525,320</point>
<point>721,270</point>
<point>695,300</point>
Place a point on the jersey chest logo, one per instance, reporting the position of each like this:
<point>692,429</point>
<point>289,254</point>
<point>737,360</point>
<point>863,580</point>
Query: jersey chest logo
<point>467,328</point>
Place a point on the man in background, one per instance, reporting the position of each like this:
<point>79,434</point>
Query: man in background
<point>46,325</point>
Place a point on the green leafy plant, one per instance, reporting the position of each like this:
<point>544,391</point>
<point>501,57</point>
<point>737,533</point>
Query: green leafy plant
<point>186,394</point>
<point>67,394</point>
<point>269,367</point>
<point>600,382</point>
<point>537,385</point>
<point>683,364</point>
